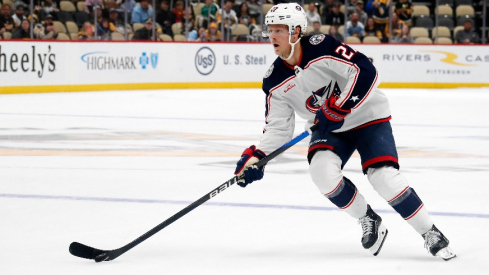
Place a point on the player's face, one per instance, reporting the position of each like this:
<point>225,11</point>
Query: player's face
<point>279,37</point>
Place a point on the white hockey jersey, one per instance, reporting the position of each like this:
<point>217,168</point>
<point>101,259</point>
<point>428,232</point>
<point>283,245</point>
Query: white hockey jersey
<point>326,68</point>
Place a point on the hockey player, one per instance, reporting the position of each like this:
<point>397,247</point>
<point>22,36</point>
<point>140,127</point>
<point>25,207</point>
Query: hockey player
<point>325,81</point>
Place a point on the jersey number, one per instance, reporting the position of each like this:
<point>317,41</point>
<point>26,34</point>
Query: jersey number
<point>343,51</point>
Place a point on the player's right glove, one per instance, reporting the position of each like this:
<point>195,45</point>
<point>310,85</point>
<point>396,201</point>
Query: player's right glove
<point>330,116</point>
<point>246,167</point>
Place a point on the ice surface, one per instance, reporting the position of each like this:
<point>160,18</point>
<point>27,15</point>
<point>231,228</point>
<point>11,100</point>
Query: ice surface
<point>103,168</point>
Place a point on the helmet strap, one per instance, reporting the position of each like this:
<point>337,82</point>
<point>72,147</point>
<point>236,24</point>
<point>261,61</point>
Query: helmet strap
<point>292,44</point>
<point>292,48</point>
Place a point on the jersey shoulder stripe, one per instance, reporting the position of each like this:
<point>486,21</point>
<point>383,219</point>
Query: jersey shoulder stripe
<point>276,74</point>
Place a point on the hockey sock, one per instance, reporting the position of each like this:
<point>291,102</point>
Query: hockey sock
<point>347,197</point>
<point>394,188</point>
<point>412,209</point>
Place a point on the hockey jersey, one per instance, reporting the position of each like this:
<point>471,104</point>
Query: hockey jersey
<point>326,68</point>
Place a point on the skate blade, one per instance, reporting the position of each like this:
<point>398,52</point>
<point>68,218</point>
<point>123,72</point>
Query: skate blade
<point>375,249</point>
<point>446,254</point>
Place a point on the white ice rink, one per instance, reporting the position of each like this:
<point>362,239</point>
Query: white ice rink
<point>103,168</point>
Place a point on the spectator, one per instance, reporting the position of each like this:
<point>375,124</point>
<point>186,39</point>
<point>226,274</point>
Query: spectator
<point>396,27</point>
<point>254,9</point>
<point>188,21</point>
<point>327,8</point>
<point>142,12</point>
<point>100,15</point>
<point>208,13</point>
<point>403,36</point>
<point>38,30</point>
<point>146,33</point>
<point>244,16</point>
<point>372,30</point>
<point>179,11</point>
<point>381,13</point>
<point>335,17</point>
<point>213,34</point>
<point>354,27</point>
<point>201,35</point>
<point>227,14</point>
<point>467,35</point>
<point>333,31</point>
<point>369,8</point>
<point>34,18</point>
<point>86,32</point>
<point>115,24</point>
<point>108,4</point>
<point>103,30</point>
<point>351,7</point>
<point>24,3</point>
<point>360,10</point>
<point>312,15</point>
<point>90,5</point>
<point>23,31</point>
<point>164,17</point>
<point>193,35</point>
<point>125,5</point>
<point>316,25</point>
<point>404,11</point>
<point>49,7</point>
<point>19,15</point>
<point>226,17</point>
<point>6,21</point>
<point>48,31</point>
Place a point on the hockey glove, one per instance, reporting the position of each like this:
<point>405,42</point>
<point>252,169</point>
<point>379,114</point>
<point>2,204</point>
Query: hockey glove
<point>330,116</point>
<point>246,167</point>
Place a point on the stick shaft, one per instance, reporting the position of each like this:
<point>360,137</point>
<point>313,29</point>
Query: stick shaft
<point>112,254</point>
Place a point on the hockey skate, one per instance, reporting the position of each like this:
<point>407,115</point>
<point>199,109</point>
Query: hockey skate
<point>437,244</point>
<point>374,232</point>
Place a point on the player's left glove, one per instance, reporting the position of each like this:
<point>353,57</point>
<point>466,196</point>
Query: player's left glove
<point>246,167</point>
<point>330,116</point>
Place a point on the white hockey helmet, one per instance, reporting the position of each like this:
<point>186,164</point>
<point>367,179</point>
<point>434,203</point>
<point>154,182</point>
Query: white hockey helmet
<point>290,14</point>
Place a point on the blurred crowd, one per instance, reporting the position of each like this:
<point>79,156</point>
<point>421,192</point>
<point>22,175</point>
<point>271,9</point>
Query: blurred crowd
<point>351,21</point>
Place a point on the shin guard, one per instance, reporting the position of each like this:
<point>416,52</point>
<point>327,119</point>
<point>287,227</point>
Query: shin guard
<point>407,203</point>
<point>344,194</point>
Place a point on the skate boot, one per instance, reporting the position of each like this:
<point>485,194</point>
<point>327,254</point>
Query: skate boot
<point>437,244</point>
<point>374,232</point>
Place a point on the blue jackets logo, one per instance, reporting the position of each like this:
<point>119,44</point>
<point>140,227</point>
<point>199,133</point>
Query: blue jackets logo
<point>205,61</point>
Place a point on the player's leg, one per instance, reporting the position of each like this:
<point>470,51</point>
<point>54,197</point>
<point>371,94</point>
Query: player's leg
<point>379,161</point>
<point>325,169</point>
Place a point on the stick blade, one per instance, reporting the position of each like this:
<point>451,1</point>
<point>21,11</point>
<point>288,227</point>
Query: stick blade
<point>87,252</point>
<point>82,251</point>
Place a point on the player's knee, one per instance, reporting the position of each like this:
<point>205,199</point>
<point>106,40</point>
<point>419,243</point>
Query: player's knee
<point>387,181</point>
<point>325,171</point>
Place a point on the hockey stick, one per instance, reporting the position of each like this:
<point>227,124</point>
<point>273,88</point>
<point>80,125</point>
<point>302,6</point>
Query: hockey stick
<point>85,251</point>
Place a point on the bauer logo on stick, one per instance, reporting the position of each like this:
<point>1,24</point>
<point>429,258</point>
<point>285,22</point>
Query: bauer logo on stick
<point>220,189</point>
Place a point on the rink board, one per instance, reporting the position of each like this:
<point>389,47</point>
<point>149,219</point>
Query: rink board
<point>52,66</point>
